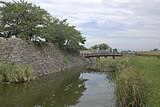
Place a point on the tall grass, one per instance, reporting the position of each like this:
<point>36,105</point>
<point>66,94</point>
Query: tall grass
<point>15,73</point>
<point>150,53</point>
<point>137,81</point>
<point>65,60</point>
<point>131,87</point>
<point>151,69</point>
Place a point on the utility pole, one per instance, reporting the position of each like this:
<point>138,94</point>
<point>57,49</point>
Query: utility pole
<point>159,45</point>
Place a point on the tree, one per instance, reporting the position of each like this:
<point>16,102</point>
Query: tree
<point>65,35</point>
<point>95,47</point>
<point>24,20</point>
<point>156,49</point>
<point>102,46</point>
<point>28,21</point>
<point>115,50</point>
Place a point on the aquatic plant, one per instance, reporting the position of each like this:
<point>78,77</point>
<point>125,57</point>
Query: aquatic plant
<point>15,73</point>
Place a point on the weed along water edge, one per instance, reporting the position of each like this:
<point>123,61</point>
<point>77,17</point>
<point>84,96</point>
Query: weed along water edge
<point>72,88</point>
<point>136,80</point>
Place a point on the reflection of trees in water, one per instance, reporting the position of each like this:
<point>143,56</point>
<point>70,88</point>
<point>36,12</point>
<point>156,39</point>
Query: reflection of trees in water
<point>68,93</point>
<point>62,89</point>
<point>111,75</point>
<point>97,68</point>
<point>59,90</point>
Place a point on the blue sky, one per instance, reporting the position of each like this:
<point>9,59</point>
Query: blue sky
<point>123,24</point>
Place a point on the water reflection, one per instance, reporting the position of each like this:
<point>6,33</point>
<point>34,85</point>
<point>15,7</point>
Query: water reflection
<point>100,91</point>
<point>64,89</point>
<point>69,92</point>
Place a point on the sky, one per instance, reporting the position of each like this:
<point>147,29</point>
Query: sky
<point>123,24</point>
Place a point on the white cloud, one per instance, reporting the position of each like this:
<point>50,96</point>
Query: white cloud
<point>136,21</point>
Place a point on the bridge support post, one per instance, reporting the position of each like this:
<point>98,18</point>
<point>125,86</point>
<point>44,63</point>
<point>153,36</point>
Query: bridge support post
<point>113,56</point>
<point>97,58</point>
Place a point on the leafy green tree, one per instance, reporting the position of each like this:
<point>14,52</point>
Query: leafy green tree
<point>65,35</point>
<point>102,46</point>
<point>95,47</point>
<point>156,49</point>
<point>28,21</point>
<point>24,20</point>
<point>115,50</point>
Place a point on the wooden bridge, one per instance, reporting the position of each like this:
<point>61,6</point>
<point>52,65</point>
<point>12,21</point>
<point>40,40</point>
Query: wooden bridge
<point>99,54</point>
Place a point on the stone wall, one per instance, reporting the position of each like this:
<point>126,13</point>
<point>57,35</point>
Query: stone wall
<point>45,59</point>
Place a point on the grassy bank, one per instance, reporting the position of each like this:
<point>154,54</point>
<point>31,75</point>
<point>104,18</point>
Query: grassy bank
<point>137,80</point>
<point>150,53</point>
<point>15,73</point>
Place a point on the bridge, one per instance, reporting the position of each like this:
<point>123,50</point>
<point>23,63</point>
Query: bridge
<point>101,54</point>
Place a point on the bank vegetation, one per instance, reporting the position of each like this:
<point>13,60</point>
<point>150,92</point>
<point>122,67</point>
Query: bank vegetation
<point>137,81</point>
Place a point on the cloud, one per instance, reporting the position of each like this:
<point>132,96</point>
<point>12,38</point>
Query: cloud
<point>124,24</point>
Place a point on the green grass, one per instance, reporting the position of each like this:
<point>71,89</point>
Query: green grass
<point>15,73</point>
<point>131,88</point>
<point>141,74</point>
<point>151,70</point>
<point>65,60</point>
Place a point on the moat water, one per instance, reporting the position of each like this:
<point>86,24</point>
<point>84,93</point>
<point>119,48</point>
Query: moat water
<point>72,88</point>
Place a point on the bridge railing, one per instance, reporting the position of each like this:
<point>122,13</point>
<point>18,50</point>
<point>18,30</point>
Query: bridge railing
<point>100,53</point>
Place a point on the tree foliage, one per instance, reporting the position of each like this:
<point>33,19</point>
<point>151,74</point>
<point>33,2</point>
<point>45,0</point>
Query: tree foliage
<point>95,47</point>
<point>65,35</point>
<point>115,50</point>
<point>102,46</point>
<point>28,21</point>
<point>24,20</point>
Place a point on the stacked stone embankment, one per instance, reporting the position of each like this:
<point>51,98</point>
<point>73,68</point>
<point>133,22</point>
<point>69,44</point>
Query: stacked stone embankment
<point>45,59</point>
